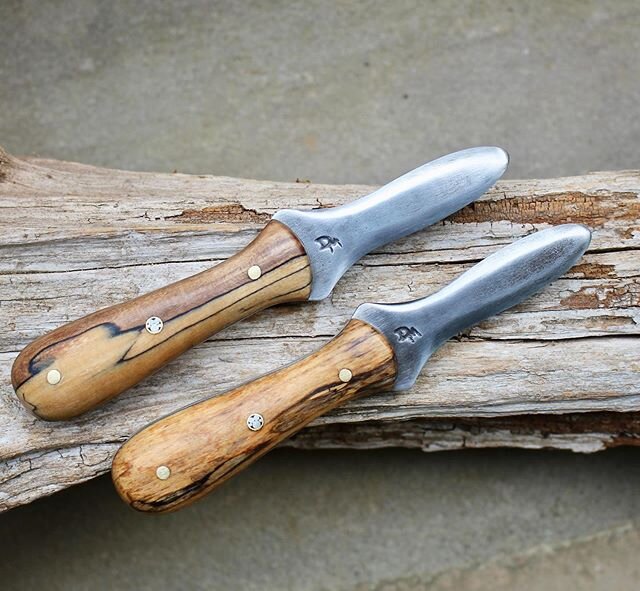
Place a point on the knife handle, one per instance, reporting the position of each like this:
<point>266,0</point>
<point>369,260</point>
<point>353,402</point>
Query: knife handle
<point>86,362</point>
<point>182,457</point>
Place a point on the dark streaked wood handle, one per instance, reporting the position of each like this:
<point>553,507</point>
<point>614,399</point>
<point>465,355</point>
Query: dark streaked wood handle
<point>82,364</point>
<point>184,456</point>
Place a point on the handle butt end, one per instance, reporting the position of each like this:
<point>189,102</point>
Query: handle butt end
<point>37,400</point>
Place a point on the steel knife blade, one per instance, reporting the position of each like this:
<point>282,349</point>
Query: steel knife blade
<point>337,237</point>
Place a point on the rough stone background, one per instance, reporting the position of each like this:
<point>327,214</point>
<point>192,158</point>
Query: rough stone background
<point>333,92</point>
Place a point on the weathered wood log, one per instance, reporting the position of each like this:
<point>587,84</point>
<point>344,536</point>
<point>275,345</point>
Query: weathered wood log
<point>76,238</point>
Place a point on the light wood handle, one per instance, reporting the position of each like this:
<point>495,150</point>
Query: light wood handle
<point>184,456</point>
<point>82,364</point>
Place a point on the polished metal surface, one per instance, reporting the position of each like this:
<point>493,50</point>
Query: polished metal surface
<point>336,238</point>
<point>154,325</point>
<point>416,329</point>
<point>255,421</point>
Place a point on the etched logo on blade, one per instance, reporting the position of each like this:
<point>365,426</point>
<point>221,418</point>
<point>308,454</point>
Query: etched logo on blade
<point>406,333</point>
<point>328,242</point>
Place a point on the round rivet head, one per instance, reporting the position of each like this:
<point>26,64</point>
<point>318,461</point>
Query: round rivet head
<point>345,375</point>
<point>163,472</point>
<point>255,421</point>
<point>154,325</point>
<point>54,377</point>
<point>254,272</point>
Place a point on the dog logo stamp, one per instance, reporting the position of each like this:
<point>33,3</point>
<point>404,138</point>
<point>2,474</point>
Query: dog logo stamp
<point>406,333</point>
<point>328,242</point>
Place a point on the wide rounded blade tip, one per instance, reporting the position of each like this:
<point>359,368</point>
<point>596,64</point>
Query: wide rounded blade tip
<point>495,159</point>
<point>578,235</point>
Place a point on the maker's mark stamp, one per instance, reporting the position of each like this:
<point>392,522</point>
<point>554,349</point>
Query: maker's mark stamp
<point>407,333</point>
<point>329,242</point>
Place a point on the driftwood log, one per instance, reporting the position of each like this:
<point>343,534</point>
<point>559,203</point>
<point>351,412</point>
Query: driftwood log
<point>560,371</point>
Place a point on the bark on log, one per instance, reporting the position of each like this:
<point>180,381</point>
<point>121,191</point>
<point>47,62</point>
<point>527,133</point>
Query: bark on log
<point>76,238</point>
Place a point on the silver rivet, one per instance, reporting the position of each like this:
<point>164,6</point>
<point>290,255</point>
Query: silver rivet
<point>345,375</point>
<point>254,272</point>
<point>255,421</point>
<point>154,325</point>
<point>54,377</point>
<point>163,472</point>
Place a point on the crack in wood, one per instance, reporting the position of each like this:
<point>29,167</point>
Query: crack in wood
<point>565,207</point>
<point>227,212</point>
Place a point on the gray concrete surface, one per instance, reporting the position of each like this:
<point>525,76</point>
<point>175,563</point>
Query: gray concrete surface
<point>333,92</point>
<point>341,520</point>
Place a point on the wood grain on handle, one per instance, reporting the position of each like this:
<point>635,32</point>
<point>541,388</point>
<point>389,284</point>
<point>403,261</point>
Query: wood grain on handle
<point>82,364</point>
<point>184,456</point>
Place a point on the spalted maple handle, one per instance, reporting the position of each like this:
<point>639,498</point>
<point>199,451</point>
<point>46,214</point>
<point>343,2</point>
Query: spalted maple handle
<point>82,364</point>
<point>184,456</point>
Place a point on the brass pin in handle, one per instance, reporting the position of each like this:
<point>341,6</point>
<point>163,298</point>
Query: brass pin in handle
<point>186,455</point>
